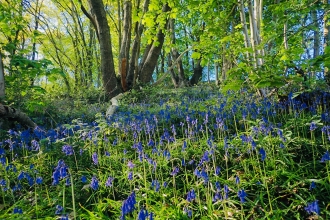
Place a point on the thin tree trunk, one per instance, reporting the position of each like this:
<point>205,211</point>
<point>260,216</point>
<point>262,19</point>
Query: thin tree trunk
<point>145,74</point>
<point>175,79</point>
<point>198,72</point>
<point>2,78</point>
<point>216,70</point>
<point>247,43</point>
<point>326,37</point>
<point>126,37</point>
<point>175,54</point>
<point>110,84</point>
<point>133,64</point>
<point>316,49</point>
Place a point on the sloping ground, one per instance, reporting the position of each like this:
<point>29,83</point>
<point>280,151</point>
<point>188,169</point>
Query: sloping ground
<point>183,154</point>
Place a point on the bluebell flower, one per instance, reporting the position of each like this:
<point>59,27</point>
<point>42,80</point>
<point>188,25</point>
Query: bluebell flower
<point>83,179</point>
<point>313,207</point>
<point>218,186</point>
<point>109,181</point>
<point>17,210</point>
<point>128,205</point>
<point>155,184</point>
<point>197,173</point>
<point>183,162</point>
<point>151,216</point>
<point>64,217</point>
<point>130,176</point>
<point>191,195</point>
<point>60,170</point>
<point>175,171</point>
<point>107,154</point>
<point>165,184</point>
<point>187,211</point>
<point>217,196</point>
<point>39,180</point>
<point>204,175</point>
<point>226,191</point>
<point>94,183</point>
<point>262,152</point>
<point>95,158</point>
<point>237,180</point>
<point>205,158</point>
<point>67,182</point>
<point>17,187</point>
<point>2,151</point>
<point>11,167</point>
<point>242,194</point>
<point>312,186</point>
<point>184,146</point>
<point>217,171</point>
<point>130,164</point>
<point>312,126</point>
<point>143,214</point>
<point>59,210</point>
<point>2,182</point>
<point>35,145</point>
<point>325,157</point>
<point>67,149</point>
<point>21,175</point>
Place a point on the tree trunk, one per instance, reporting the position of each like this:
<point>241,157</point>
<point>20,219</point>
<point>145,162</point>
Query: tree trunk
<point>326,36</point>
<point>2,78</point>
<point>198,72</point>
<point>175,78</point>
<point>145,73</point>
<point>316,49</point>
<point>110,84</point>
<point>247,42</point>
<point>126,38</point>
<point>16,115</point>
<point>181,79</point>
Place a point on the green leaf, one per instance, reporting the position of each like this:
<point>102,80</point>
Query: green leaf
<point>196,55</point>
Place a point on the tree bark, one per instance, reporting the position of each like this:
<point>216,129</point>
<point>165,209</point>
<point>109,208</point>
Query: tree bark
<point>110,84</point>
<point>326,38</point>
<point>145,73</point>
<point>198,72</point>
<point>126,38</point>
<point>245,29</point>
<point>16,115</point>
<point>2,78</point>
<point>181,80</point>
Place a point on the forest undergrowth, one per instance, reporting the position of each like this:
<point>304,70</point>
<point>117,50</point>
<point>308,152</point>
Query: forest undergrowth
<point>180,154</point>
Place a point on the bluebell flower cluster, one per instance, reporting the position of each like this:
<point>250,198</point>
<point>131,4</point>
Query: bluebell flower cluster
<point>313,207</point>
<point>60,172</point>
<point>191,195</point>
<point>94,183</point>
<point>325,157</point>
<point>67,149</point>
<point>17,210</point>
<point>128,205</point>
<point>241,195</point>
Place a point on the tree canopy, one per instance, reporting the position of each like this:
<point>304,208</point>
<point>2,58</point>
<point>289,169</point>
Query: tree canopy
<point>68,46</point>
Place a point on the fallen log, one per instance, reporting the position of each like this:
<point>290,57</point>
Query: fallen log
<point>10,113</point>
